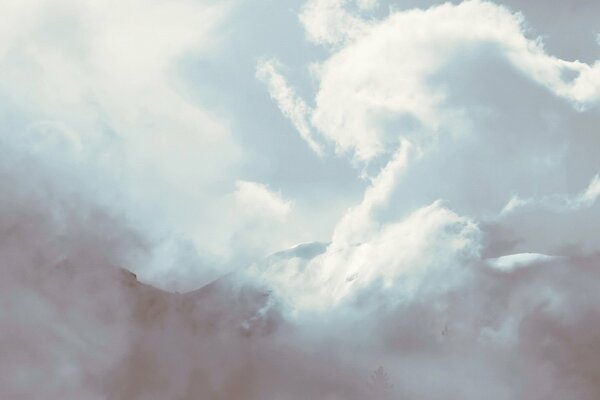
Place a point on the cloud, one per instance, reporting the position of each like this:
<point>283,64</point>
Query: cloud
<point>64,321</point>
<point>96,90</point>
<point>586,198</point>
<point>256,199</point>
<point>65,306</point>
<point>468,116</point>
<point>421,90</point>
<point>399,257</point>
<point>359,220</point>
<point>110,161</point>
<point>264,222</point>
<point>292,106</point>
<point>513,261</point>
<point>358,99</point>
<point>329,22</point>
<point>367,4</point>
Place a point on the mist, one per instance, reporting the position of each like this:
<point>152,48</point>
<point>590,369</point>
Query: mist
<point>322,199</point>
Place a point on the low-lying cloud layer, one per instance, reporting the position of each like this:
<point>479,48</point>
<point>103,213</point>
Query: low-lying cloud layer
<point>460,261</point>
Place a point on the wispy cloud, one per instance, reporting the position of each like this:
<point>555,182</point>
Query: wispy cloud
<point>290,104</point>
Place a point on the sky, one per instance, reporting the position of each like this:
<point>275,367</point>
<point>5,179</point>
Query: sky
<point>306,191</point>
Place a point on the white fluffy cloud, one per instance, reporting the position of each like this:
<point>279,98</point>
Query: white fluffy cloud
<point>383,71</point>
<point>488,112</point>
<point>256,199</point>
<point>424,254</point>
<point>95,90</point>
<point>329,22</point>
<point>102,75</point>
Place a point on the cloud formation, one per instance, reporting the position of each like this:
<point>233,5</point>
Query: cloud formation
<point>358,99</point>
<point>466,265</point>
<point>293,107</point>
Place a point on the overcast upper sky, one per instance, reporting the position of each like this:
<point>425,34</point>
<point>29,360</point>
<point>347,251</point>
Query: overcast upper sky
<point>410,166</point>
